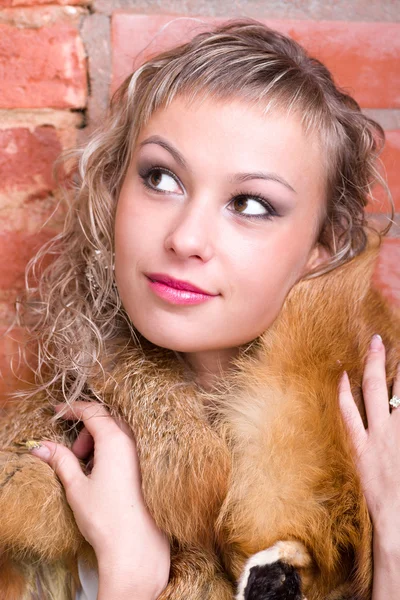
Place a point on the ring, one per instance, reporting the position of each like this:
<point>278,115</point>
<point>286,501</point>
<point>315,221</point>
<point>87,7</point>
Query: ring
<point>394,401</point>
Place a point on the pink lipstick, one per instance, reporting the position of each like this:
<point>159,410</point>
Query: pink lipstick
<point>177,291</point>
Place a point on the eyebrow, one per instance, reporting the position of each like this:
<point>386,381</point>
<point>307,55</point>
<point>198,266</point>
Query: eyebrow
<point>238,178</point>
<point>156,139</point>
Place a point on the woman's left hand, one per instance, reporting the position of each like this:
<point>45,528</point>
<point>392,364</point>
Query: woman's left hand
<point>378,461</point>
<point>378,446</point>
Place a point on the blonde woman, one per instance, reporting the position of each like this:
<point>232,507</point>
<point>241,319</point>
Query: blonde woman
<point>231,169</point>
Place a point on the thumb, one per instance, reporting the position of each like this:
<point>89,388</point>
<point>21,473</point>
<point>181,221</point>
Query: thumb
<point>62,461</point>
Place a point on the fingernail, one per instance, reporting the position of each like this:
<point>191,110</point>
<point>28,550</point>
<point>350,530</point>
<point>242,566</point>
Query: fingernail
<point>40,451</point>
<point>30,444</point>
<point>376,342</point>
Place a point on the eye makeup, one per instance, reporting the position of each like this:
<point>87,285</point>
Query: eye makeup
<point>146,171</point>
<point>257,197</point>
<point>149,169</point>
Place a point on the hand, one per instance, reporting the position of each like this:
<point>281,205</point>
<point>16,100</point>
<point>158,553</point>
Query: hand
<point>378,446</point>
<point>108,503</point>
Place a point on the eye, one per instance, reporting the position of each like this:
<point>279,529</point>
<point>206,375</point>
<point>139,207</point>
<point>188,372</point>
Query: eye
<point>252,206</point>
<point>161,180</point>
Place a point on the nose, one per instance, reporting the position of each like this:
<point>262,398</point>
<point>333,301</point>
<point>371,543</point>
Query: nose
<point>192,233</point>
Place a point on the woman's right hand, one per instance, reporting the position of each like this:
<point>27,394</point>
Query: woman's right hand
<point>133,554</point>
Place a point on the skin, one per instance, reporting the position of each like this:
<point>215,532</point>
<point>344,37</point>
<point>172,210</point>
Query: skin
<point>131,567</point>
<point>377,452</point>
<point>187,226</point>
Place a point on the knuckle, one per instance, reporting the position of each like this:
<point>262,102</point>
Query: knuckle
<point>96,409</point>
<point>61,469</point>
<point>372,384</point>
<point>59,463</point>
<point>73,491</point>
<point>345,394</point>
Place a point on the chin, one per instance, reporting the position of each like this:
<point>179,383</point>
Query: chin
<point>192,342</point>
<point>178,344</point>
<point>178,340</point>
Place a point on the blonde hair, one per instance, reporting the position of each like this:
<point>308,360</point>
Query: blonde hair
<point>75,311</point>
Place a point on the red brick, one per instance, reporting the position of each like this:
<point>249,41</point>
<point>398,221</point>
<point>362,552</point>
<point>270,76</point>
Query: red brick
<point>26,159</point>
<point>31,215</point>
<point>43,67</point>
<point>363,57</point>
<point>7,307</point>
<point>391,160</point>
<point>390,171</point>
<point>12,3</point>
<point>387,273</point>
<point>17,247</point>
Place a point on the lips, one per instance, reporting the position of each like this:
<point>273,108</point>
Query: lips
<point>177,284</point>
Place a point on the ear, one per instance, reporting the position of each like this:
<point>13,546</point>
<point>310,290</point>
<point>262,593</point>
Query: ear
<point>317,257</point>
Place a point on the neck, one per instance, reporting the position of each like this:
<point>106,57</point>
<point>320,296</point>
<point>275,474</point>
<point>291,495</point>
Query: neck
<point>210,365</point>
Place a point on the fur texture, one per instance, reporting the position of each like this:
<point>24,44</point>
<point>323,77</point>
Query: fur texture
<point>261,459</point>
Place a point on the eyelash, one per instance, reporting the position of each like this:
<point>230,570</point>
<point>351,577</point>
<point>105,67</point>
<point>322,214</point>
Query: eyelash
<point>144,174</point>
<point>261,199</point>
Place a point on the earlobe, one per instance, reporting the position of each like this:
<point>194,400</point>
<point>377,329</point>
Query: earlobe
<point>318,256</point>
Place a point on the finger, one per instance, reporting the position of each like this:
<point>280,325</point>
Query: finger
<point>350,412</point>
<point>396,387</point>
<point>112,438</point>
<point>63,461</point>
<point>83,445</point>
<point>374,384</point>
<point>95,417</point>
<point>66,414</point>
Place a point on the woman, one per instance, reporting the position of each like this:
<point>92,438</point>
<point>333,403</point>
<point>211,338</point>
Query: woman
<point>239,166</point>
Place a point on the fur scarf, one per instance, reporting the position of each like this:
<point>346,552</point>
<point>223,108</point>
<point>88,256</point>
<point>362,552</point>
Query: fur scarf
<point>254,481</point>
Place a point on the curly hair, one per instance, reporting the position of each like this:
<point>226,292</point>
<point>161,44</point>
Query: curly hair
<point>74,310</point>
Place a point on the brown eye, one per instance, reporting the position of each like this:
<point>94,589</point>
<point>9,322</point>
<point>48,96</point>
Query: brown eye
<point>155,178</point>
<point>162,181</point>
<point>251,206</point>
<point>240,204</point>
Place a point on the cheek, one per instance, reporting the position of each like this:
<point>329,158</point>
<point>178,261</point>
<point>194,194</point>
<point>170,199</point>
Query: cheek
<point>262,289</point>
<point>262,285</point>
<point>132,226</point>
<point>266,266</point>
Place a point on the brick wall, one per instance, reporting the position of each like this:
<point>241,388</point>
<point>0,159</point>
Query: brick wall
<point>43,93</point>
<point>59,60</point>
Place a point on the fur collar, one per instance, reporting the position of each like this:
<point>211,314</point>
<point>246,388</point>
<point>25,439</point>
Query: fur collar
<point>263,456</point>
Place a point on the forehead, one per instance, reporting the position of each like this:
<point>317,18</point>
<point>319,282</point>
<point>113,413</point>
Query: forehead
<point>235,135</point>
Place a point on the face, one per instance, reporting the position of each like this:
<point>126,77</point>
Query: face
<point>226,200</point>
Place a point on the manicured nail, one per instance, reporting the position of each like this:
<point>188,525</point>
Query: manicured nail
<point>30,444</point>
<point>376,342</point>
<point>38,449</point>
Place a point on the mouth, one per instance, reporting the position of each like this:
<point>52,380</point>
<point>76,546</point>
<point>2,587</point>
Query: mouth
<point>176,291</point>
<point>177,284</point>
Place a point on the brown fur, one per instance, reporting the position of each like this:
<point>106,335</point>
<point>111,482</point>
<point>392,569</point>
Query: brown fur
<point>264,457</point>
